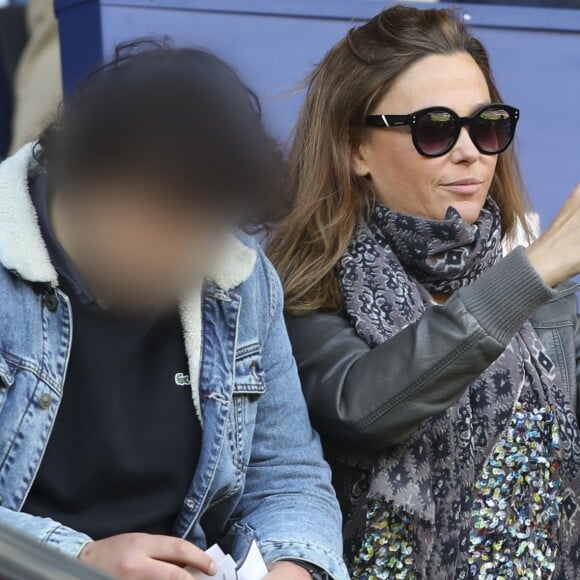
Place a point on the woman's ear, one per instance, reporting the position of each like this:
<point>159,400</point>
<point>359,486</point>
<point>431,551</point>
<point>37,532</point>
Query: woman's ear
<point>359,161</point>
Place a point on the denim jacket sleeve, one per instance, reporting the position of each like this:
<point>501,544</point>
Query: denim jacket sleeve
<point>377,397</point>
<point>46,531</point>
<point>288,494</point>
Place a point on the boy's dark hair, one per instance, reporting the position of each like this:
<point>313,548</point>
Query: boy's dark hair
<point>179,118</point>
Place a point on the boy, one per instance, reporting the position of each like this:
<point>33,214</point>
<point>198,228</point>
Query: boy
<point>149,401</point>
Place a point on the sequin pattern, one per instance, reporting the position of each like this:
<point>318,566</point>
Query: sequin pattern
<point>387,549</point>
<point>516,507</point>
<point>515,511</point>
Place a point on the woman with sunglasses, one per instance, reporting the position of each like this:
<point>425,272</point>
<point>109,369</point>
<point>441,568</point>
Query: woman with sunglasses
<point>441,374</point>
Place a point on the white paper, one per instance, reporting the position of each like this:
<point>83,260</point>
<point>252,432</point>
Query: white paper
<point>252,568</point>
<point>215,553</point>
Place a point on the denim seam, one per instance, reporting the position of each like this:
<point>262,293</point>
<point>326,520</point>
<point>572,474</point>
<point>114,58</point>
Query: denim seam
<point>27,366</point>
<point>253,388</point>
<point>246,351</point>
<point>50,533</point>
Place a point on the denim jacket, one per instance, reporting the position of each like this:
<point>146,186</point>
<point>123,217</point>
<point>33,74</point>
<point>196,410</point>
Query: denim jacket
<point>261,472</point>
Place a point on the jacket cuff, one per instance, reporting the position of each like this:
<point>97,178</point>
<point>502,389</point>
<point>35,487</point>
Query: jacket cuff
<point>507,295</point>
<point>67,540</point>
<point>330,563</point>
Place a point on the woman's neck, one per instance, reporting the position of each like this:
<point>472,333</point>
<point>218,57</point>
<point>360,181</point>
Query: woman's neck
<point>440,298</point>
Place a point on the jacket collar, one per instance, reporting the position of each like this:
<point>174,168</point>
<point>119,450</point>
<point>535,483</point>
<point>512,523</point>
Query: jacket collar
<point>23,251</point>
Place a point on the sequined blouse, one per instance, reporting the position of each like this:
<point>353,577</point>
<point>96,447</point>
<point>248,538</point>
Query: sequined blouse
<point>515,511</point>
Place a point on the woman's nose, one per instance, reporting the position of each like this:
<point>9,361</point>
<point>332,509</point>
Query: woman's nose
<point>464,150</point>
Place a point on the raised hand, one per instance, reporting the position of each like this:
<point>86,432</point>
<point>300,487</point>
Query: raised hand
<point>556,254</point>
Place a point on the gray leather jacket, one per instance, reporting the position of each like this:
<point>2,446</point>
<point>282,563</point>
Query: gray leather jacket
<point>377,397</point>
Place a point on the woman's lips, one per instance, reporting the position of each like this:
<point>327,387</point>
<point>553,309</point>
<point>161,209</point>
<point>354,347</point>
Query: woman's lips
<point>463,186</point>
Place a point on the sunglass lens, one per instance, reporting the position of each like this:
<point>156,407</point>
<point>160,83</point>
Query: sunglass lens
<point>493,129</point>
<point>435,132</point>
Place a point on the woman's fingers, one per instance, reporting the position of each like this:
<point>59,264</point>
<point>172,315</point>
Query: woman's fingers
<point>556,254</point>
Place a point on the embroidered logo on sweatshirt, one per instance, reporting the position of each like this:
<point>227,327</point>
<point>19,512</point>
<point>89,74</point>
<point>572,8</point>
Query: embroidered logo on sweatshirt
<point>182,380</point>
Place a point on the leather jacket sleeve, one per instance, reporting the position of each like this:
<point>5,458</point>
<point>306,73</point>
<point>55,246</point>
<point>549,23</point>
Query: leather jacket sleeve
<point>377,397</point>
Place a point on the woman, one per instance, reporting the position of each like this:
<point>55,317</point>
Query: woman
<point>442,376</point>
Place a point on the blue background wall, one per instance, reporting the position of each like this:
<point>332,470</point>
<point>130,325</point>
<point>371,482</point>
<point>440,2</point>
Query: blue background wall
<point>274,43</point>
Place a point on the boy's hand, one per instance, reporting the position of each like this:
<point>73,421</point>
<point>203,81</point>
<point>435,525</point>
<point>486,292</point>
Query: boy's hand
<point>147,557</point>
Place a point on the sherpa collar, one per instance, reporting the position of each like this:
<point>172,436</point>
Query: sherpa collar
<point>22,250</point>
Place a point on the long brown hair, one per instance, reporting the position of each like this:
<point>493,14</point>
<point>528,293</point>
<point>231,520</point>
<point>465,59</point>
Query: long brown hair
<point>330,197</point>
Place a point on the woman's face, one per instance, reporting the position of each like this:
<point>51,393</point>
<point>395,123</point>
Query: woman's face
<point>421,186</point>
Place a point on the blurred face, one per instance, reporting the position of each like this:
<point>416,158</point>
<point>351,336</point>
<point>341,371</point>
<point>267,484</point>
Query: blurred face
<point>136,249</point>
<point>413,184</point>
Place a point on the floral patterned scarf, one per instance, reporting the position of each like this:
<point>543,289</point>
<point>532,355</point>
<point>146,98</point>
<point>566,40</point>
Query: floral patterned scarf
<point>423,510</point>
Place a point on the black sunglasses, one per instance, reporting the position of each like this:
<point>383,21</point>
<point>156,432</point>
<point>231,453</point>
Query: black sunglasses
<point>435,130</point>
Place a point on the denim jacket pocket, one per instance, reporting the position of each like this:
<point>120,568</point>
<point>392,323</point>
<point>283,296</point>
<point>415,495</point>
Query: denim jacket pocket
<point>249,385</point>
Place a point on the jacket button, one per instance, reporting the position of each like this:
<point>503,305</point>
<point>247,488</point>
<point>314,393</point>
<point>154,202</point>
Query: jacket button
<point>45,401</point>
<point>51,301</point>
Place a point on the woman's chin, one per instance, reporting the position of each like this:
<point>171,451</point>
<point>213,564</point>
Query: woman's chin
<point>469,210</point>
